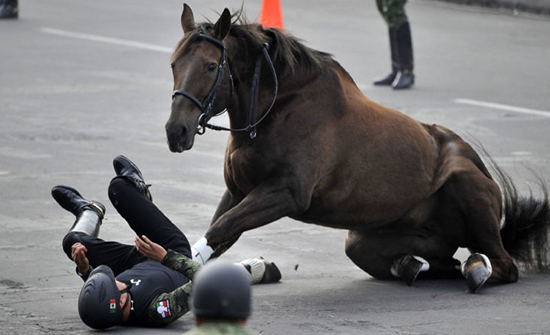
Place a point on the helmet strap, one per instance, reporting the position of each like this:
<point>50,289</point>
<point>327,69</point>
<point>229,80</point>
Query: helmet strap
<point>127,290</point>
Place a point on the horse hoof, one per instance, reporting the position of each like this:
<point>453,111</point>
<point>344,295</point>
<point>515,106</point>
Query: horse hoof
<point>477,269</point>
<point>408,267</point>
<point>262,271</point>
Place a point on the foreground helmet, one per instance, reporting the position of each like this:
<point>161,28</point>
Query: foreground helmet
<point>98,303</point>
<point>222,290</point>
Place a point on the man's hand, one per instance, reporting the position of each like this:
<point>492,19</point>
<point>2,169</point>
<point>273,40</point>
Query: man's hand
<point>78,254</point>
<point>150,249</point>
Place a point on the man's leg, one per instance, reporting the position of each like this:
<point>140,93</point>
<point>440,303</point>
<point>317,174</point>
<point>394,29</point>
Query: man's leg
<point>131,198</point>
<point>119,257</point>
<point>85,230</point>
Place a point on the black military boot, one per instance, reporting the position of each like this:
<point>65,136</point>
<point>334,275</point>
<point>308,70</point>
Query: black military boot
<point>388,80</point>
<point>89,214</point>
<point>9,9</point>
<point>127,169</point>
<point>405,77</point>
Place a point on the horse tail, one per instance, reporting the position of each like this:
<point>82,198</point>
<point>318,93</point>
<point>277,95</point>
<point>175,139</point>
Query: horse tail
<point>526,224</point>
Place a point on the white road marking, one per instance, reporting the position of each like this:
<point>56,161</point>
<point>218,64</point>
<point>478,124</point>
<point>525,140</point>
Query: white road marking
<point>521,153</point>
<point>158,48</point>
<point>104,39</point>
<point>503,107</point>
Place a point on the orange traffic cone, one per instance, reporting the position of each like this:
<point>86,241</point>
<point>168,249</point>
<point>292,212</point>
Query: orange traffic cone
<point>271,16</point>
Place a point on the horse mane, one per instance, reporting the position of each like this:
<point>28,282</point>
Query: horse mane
<point>288,53</point>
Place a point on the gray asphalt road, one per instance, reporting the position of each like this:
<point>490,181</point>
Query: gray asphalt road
<point>84,81</point>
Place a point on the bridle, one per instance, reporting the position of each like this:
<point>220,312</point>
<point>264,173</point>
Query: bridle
<point>206,105</point>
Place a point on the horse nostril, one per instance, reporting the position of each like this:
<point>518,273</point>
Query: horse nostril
<point>183,132</point>
<point>175,132</point>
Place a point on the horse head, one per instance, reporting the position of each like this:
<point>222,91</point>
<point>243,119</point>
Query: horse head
<point>202,83</point>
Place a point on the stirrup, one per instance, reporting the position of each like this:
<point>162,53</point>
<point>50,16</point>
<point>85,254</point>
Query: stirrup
<point>408,267</point>
<point>476,269</point>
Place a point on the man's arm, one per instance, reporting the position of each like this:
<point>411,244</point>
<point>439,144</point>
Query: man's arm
<point>169,306</point>
<point>171,259</point>
<point>78,254</point>
<point>262,271</point>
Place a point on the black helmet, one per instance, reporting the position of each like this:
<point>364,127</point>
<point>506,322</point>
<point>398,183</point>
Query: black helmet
<point>98,303</point>
<point>222,290</point>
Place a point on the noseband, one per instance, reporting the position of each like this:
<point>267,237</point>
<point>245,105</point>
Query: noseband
<point>206,105</point>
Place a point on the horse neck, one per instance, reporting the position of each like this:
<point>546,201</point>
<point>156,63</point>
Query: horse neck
<point>290,82</point>
<point>239,110</point>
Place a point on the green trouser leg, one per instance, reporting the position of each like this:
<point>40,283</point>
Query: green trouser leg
<point>393,12</point>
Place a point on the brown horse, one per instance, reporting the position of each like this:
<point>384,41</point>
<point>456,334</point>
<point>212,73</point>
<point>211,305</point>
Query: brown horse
<point>306,143</point>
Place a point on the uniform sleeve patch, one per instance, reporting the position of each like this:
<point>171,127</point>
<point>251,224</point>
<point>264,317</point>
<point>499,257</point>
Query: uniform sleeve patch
<point>112,306</point>
<point>163,309</point>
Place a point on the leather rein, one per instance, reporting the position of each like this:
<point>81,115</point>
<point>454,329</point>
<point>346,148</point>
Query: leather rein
<point>206,105</point>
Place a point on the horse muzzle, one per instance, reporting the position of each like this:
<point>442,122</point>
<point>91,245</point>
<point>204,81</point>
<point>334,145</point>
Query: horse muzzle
<point>180,137</point>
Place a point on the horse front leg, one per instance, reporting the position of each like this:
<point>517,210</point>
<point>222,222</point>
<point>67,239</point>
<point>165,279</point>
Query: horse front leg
<point>201,251</point>
<point>227,202</point>
<point>265,204</point>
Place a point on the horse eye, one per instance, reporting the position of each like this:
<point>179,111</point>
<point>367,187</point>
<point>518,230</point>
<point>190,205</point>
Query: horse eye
<point>212,66</point>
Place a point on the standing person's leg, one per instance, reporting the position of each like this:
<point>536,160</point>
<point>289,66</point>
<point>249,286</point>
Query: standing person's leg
<point>9,9</point>
<point>85,230</point>
<point>131,198</point>
<point>398,21</point>
<point>402,75</point>
<point>382,6</point>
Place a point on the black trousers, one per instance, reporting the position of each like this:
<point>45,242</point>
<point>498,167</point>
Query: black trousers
<point>143,217</point>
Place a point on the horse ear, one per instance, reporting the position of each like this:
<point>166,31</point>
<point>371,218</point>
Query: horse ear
<point>187,19</point>
<point>222,27</point>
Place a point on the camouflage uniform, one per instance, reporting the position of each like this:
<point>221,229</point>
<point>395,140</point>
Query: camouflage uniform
<point>220,328</point>
<point>393,12</point>
<point>179,297</point>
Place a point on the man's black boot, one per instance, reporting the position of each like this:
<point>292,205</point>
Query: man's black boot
<point>126,168</point>
<point>388,80</point>
<point>405,77</point>
<point>9,9</point>
<point>89,214</point>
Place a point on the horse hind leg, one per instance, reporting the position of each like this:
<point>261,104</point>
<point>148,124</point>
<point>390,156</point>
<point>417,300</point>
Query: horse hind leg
<point>475,198</point>
<point>476,269</point>
<point>408,267</point>
<point>387,255</point>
